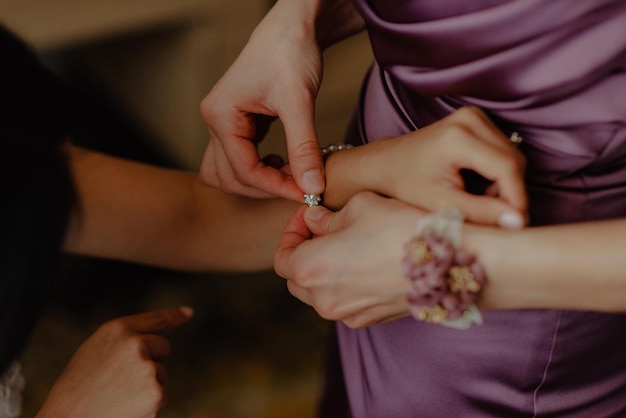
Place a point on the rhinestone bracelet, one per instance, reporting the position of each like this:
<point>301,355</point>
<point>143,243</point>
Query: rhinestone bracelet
<point>316,199</point>
<point>327,150</point>
<point>445,280</point>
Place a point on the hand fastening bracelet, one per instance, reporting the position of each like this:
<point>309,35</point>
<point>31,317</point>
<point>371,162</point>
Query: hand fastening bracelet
<point>445,280</point>
<point>316,199</point>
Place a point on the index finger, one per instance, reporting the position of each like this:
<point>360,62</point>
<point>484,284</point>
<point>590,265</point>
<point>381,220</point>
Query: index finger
<point>505,166</point>
<point>236,133</point>
<point>501,160</point>
<point>295,233</point>
<point>159,321</point>
<point>266,181</point>
<point>249,170</point>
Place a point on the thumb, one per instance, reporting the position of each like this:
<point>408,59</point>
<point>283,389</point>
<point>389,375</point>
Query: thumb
<point>303,149</point>
<point>159,321</point>
<point>321,221</point>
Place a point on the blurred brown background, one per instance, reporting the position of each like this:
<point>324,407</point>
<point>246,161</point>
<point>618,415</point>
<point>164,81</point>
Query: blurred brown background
<point>144,66</point>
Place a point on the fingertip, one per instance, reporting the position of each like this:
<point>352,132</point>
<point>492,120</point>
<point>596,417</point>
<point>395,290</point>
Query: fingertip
<point>307,166</point>
<point>491,211</point>
<point>187,311</point>
<point>312,181</point>
<point>318,220</point>
<point>315,213</point>
<point>511,220</point>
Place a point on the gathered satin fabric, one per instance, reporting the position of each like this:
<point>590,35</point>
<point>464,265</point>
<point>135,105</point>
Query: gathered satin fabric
<point>555,71</point>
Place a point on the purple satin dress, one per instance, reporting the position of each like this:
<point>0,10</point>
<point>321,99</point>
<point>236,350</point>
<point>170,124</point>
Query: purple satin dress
<point>555,71</point>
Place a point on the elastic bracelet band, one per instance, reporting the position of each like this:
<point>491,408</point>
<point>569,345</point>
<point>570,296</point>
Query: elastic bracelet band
<point>330,149</point>
<point>445,280</point>
<point>316,199</point>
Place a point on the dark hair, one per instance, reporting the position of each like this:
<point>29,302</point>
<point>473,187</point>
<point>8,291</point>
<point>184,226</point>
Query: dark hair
<point>36,189</point>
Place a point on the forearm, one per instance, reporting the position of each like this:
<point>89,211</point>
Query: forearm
<point>328,21</point>
<point>577,266</point>
<point>141,213</point>
<point>244,232</point>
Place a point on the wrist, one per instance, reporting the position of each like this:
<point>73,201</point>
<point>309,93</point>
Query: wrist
<point>376,167</point>
<point>293,19</point>
<point>347,172</point>
<point>328,21</point>
<point>446,279</point>
<point>359,169</point>
<point>490,245</point>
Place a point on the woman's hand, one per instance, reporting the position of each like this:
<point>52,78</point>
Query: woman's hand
<point>117,371</point>
<point>277,75</point>
<point>351,271</point>
<point>425,168</point>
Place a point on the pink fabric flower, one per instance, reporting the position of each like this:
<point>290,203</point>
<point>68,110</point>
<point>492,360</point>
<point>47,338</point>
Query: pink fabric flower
<point>441,277</point>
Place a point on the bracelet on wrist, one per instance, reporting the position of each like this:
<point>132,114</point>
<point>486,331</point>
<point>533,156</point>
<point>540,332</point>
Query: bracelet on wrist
<point>445,280</point>
<point>316,199</point>
<point>330,149</point>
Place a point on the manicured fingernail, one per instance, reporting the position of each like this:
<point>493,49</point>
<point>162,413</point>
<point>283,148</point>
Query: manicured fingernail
<point>511,220</point>
<point>313,181</point>
<point>314,213</point>
<point>187,311</point>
